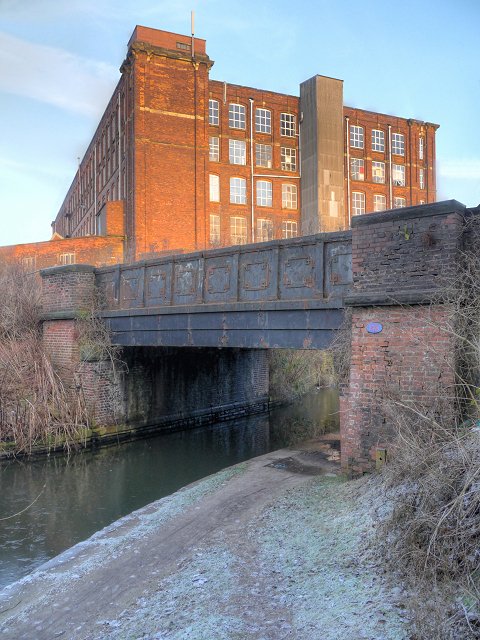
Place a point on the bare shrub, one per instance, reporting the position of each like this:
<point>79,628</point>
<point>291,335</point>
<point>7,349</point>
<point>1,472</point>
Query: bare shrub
<point>294,372</point>
<point>20,303</point>
<point>432,536</point>
<point>35,406</point>
<point>341,348</point>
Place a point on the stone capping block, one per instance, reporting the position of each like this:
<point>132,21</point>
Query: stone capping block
<point>406,213</point>
<point>401,297</point>
<point>62,315</point>
<point>67,268</point>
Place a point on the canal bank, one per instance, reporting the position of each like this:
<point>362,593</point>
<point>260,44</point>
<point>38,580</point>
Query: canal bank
<point>275,547</point>
<point>75,496</point>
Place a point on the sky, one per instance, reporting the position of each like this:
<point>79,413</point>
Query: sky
<point>60,59</point>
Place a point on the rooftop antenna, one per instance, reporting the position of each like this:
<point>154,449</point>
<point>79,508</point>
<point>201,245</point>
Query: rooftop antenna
<point>193,45</point>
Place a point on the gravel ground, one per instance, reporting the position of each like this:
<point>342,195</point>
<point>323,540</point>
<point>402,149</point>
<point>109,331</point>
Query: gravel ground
<point>253,553</point>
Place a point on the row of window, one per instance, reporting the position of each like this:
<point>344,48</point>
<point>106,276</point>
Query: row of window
<point>357,172</point>
<point>264,191</point>
<point>239,232</point>
<point>28,263</point>
<point>379,203</point>
<point>378,141</point>
<point>263,119</point>
<point>237,154</point>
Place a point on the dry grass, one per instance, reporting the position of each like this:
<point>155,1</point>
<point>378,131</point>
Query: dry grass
<point>35,406</point>
<point>432,537</point>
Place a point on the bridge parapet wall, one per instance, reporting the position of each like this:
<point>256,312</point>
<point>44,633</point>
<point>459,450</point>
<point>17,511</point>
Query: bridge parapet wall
<point>402,260</point>
<point>314,267</point>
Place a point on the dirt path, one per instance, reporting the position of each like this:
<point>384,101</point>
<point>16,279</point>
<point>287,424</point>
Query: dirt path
<point>268,549</point>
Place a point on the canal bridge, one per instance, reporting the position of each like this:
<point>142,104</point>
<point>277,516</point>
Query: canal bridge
<point>286,294</point>
<point>199,326</point>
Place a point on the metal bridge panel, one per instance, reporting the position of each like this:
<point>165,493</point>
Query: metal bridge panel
<point>221,278</point>
<point>301,271</point>
<point>158,284</point>
<point>259,275</point>
<point>187,281</point>
<point>338,268</point>
<point>131,287</point>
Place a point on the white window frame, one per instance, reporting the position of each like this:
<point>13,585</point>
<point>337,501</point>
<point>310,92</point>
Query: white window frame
<point>263,155</point>
<point>421,178</point>
<point>263,120</point>
<point>379,202</point>
<point>289,196</point>
<point>289,229</point>
<point>357,169</point>
<point>238,230</point>
<point>422,201</point>
<point>420,148</point>
<point>288,158</point>
<point>66,258</point>
<point>264,230</point>
<point>213,113</point>
<point>358,203</point>
<point>356,137</point>
<point>28,263</point>
<point>214,149</point>
<point>399,203</point>
<point>378,172</point>
<point>398,175</point>
<point>398,144</point>
<point>378,140</point>
<point>288,125</point>
<point>214,184</point>
<point>237,151</point>
<point>236,115</point>
<point>214,229</point>
<point>238,190</point>
<point>264,193</point>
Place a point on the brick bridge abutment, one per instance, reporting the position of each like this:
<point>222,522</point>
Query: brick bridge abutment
<point>401,262</point>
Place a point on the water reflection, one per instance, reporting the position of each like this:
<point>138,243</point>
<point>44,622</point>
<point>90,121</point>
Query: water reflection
<point>89,490</point>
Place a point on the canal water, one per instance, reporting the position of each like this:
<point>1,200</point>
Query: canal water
<point>86,491</point>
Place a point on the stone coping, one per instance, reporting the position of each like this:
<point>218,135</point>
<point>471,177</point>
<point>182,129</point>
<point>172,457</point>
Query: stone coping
<point>67,268</point>
<point>406,213</point>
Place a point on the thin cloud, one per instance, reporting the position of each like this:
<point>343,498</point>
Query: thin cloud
<point>55,76</point>
<point>465,168</point>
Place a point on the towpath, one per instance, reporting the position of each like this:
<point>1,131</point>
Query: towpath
<point>275,548</point>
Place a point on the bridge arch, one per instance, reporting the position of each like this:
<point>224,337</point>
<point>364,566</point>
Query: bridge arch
<point>389,268</point>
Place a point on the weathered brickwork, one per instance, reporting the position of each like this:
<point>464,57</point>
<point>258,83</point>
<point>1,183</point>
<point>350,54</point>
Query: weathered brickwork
<point>411,249</point>
<point>410,361</point>
<point>162,384</point>
<point>60,338</point>
<point>67,290</point>
<point>176,383</point>
<point>98,251</point>
<point>402,260</point>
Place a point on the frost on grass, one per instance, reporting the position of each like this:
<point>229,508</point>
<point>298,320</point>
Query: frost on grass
<point>302,569</point>
<point>316,542</point>
<point>189,604</point>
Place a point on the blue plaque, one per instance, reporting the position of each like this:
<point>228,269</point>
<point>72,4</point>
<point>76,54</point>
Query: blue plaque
<point>374,327</point>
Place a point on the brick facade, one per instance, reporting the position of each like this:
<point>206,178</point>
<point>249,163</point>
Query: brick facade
<point>414,153</point>
<point>171,161</point>
<point>99,251</point>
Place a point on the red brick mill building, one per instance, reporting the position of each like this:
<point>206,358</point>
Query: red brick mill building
<point>180,162</point>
